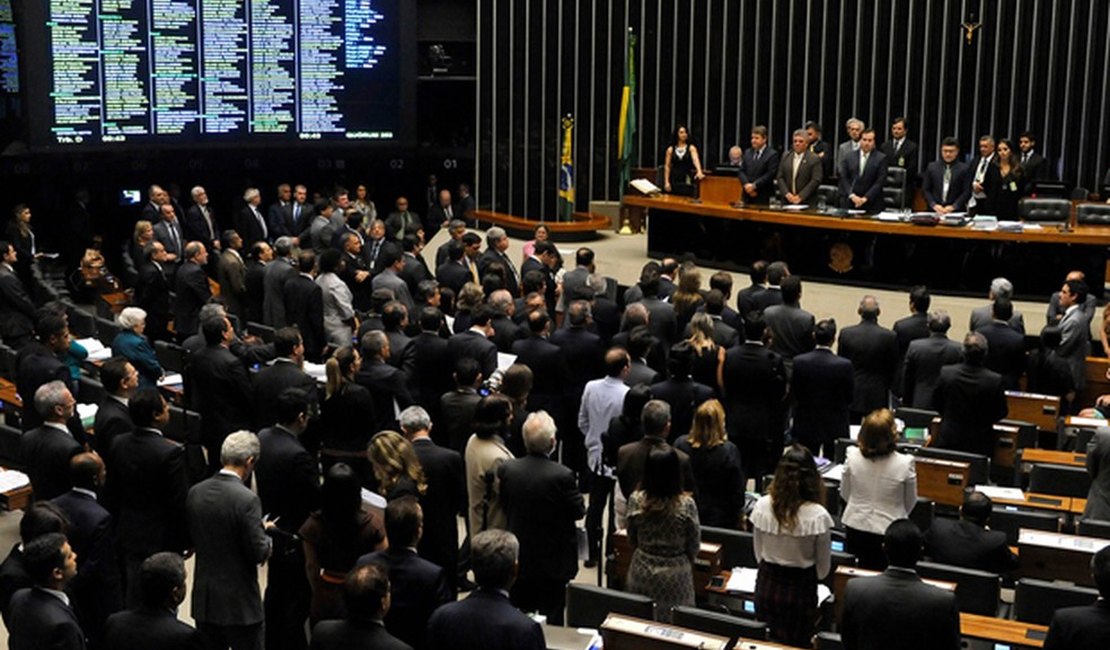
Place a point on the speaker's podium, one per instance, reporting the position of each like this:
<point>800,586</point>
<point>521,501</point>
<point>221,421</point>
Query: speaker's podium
<point>627,633</point>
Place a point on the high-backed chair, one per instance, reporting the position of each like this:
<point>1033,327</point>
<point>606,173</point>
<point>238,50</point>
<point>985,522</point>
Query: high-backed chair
<point>980,464</point>
<point>1092,214</point>
<point>977,592</point>
<point>106,330</point>
<point>1010,521</point>
<point>264,332</point>
<point>894,188</point>
<point>170,355</point>
<point>1060,480</point>
<point>915,418</point>
<point>720,624</point>
<point>90,391</point>
<point>737,546</point>
<point>1035,601</point>
<point>587,605</point>
<point>1094,528</point>
<point>1044,210</point>
<point>11,447</point>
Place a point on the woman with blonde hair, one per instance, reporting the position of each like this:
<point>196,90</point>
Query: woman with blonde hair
<point>879,485</point>
<point>396,467</point>
<point>687,297</point>
<point>716,465</point>
<point>141,235</point>
<point>708,356</point>
<point>470,296</point>
<point>793,548</point>
<point>347,416</point>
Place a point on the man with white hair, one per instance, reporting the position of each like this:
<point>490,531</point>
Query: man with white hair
<point>497,245</point>
<point>542,502</point>
<point>199,223</point>
<point>48,447</point>
<point>854,127</point>
<point>982,316</point>
<point>251,225</point>
<point>230,541</point>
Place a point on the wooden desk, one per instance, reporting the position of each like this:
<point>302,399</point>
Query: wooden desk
<point>9,396</point>
<point>627,633</point>
<point>1056,556</point>
<point>1007,445</point>
<point>942,481</point>
<point>1041,410</point>
<point>1013,633</point>
<point>845,573</point>
<point>706,565</point>
<point>1051,457</point>
<point>1036,501</point>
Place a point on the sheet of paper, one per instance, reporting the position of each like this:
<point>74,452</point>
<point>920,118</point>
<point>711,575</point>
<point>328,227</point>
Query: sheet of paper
<point>834,473</point>
<point>11,479</point>
<point>795,208</point>
<point>90,344</point>
<point>742,580</point>
<point>171,379</point>
<point>317,371</point>
<point>504,360</point>
<point>998,492</point>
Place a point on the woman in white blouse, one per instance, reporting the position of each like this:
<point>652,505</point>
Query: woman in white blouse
<point>340,322</point>
<point>793,548</point>
<point>879,485</point>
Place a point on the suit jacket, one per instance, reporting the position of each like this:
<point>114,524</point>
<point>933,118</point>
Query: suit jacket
<point>641,373</point>
<point>475,346</point>
<point>970,400</point>
<point>512,274</point>
<point>278,273</point>
<point>1055,313</point>
<point>506,333</point>
<point>396,222</point>
<point>810,173</point>
<point>873,351</point>
<point>843,150</point>
<point>992,185</point>
<point>981,317</point>
<point>632,457</point>
<point>287,478</point>
<point>279,220</point>
<point>761,172</point>
<point>967,544</point>
<point>37,365</point>
<point>959,185</point>
<point>1098,467</point>
<point>823,386</point>
<point>720,482</point>
<point>255,279</point>
<point>147,484</point>
<point>232,276</point>
<point>1005,352</point>
<point>13,577</point>
<point>684,395</point>
<point>17,312</point>
<point>112,420</point>
<point>388,387</point>
<point>456,411</point>
<point>414,272</point>
<point>1075,345</point>
<point>921,370</point>
<point>41,621</point>
<point>191,292</point>
<point>46,453</point>
<point>747,299</point>
<point>754,388</point>
<point>304,307</point>
<point>142,628</point>
<point>354,634</point>
<point>1037,168</point>
<point>388,279</point>
<point>868,185</point>
<point>453,275</point>
<point>97,590</point>
<point>484,620</point>
<point>1085,627</point>
<point>909,329</point>
<point>249,228</point>
<point>443,501</point>
<point>163,232</point>
<point>418,587</point>
<point>195,226</point>
<point>432,372</point>
<point>152,294</point>
<point>542,502</point>
<point>904,157</point>
<point>791,329</point>
<point>225,523</point>
<point>584,353</point>
<point>898,610</point>
<point>551,373</point>
<point>219,389</point>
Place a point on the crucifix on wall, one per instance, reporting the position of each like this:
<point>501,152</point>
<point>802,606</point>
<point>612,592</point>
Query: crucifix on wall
<point>970,25</point>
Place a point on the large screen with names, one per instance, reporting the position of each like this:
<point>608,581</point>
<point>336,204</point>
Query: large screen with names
<point>112,73</point>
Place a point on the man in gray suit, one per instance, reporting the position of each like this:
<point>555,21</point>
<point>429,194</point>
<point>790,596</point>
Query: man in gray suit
<point>577,277</point>
<point>791,326</point>
<point>982,316</point>
<point>854,126</point>
<point>800,172</point>
<point>229,536</point>
<point>1075,331</point>
<point>924,359</point>
<point>390,277</point>
<point>278,272</point>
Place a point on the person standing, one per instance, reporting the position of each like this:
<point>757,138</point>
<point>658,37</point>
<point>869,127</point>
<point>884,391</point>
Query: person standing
<point>41,616</point>
<point>154,623</point>
<point>681,164</point>
<point>970,400</point>
<point>48,448</point>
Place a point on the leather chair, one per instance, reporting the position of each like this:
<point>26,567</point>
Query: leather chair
<point>977,592</point>
<point>719,624</point>
<point>1094,528</point>
<point>894,188</point>
<point>587,605</point>
<point>830,193</point>
<point>1035,601</point>
<point>1092,214</point>
<point>1011,521</point>
<point>1060,480</point>
<point>737,546</point>
<point>1044,210</point>
<point>106,330</point>
<point>170,355</point>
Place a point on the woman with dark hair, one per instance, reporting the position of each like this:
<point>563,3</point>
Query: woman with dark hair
<point>470,296</point>
<point>879,486</point>
<point>540,234</point>
<point>716,465</point>
<point>681,164</point>
<point>396,467</point>
<point>340,320</point>
<point>1013,181</point>
<point>516,384</point>
<point>626,427</point>
<point>485,451</point>
<point>793,548</point>
<point>663,529</point>
<point>347,415</point>
<point>335,537</point>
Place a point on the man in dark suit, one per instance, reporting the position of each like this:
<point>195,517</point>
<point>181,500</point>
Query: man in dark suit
<point>822,385</point>
<point>286,371</point>
<point>456,407</point>
<point>655,420</point>
<point>747,300</point>
<point>366,593</point>
<point>724,334</point>
<point>154,624</point>
<point>250,223</point>
<point>417,587</point>
<point>486,619</point>
<point>440,215</point>
<point>387,384</point>
<point>544,259</point>
<point>41,616</point>
<point>986,179</point>
<point>924,359</point>
<point>152,291</point>
<point>497,243</point>
<point>862,174</point>
<point>873,351</point>
<point>191,290</point>
<point>289,488</point>
<point>474,343</point>
<point>445,497</point>
<point>278,273</point>
<point>549,367</point>
<point>304,306</point>
<point>947,182</point>
<point>218,388</point>
<point>146,489</point>
<point>800,172</point>
<point>199,223</point>
<point>916,325</point>
<point>1085,627</point>
<point>395,319</point>
<point>431,362</point>
<point>754,387</point>
<point>1005,346</point>
<point>970,400</point>
<point>456,228</point>
<point>38,519</point>
<point>823,150</point>
<point>302,212</point>
<point>401,219</point>
<point>1034,165</point>
<point>758,167</point>
<point>505,330</point>
<point>279,216</point>
<point>542,502</point>
<point>260,256</point>
<point>900,151</point>
<point>791,326</point>
<point>120,380</point>
<point>167,231</point>
<point>896,609</point>
<point>230,541</point>
<point>48,448</point>
<point>982,315</point>
<point>17,312</point>
<point>641,344</point>
<point>663,321</point>
<point>96,590</point>
<point>453,272</point>
<point>680,390</point>
<point>39,362</point>
<point>968,542</point>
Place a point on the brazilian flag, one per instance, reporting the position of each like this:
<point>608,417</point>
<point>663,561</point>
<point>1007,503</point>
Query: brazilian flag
<point>627,126</point>
<point>566,172</point>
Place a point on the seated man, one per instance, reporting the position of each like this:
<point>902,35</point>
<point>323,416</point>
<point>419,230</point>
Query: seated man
<point>896,609</point>
<point>1087,626</point>
<point>862,174</point>
<point>968,542</point>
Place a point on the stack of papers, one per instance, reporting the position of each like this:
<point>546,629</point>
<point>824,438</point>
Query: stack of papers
<point>171,379</point>
<point>11,479</point>
<point>996,492</point>
<point>317,371</point>
<point>97,351</point>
